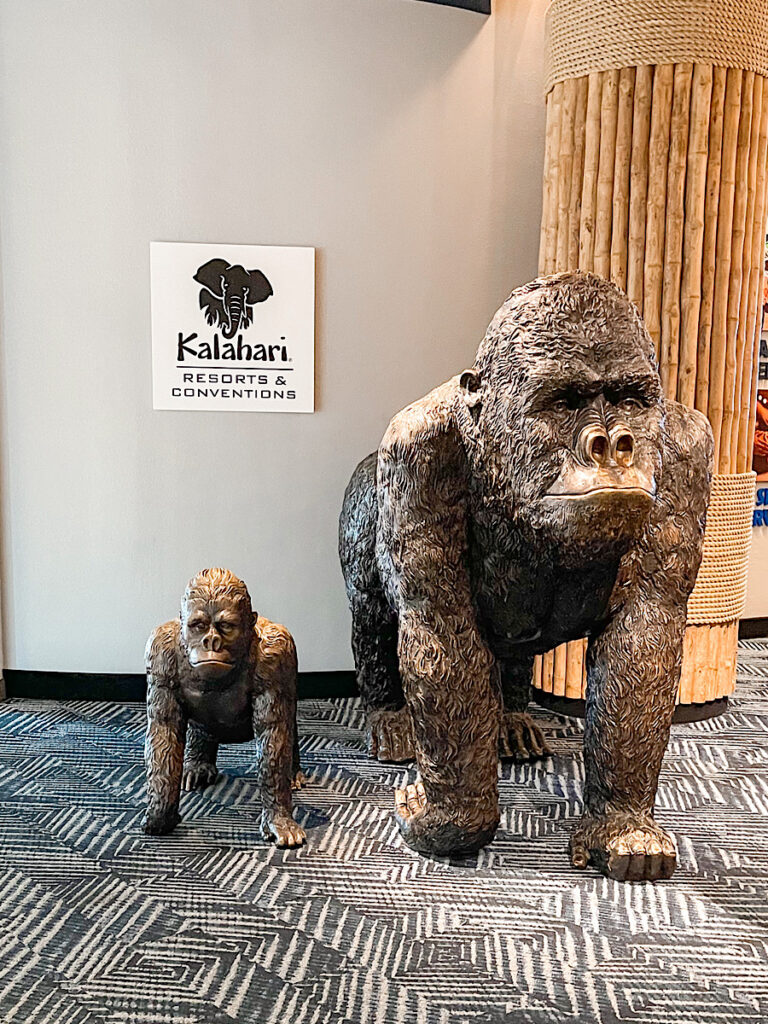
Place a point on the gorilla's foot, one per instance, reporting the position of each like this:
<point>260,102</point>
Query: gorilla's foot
<point>521,739</point>
<point>161,821</point>
<point>198,775</point>
<point>390,735</point>
<point>282,829</point>
<point>431,832</point>
<point>299,780</point>
<point>627,847</point>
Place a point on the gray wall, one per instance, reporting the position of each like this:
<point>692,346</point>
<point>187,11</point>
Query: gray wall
<point>404,140</point>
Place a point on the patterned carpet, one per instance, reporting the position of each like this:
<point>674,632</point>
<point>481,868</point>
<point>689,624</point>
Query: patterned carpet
<point>100,924</point>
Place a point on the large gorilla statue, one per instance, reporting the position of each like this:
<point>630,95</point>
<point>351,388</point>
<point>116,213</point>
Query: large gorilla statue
<point>549,493</point>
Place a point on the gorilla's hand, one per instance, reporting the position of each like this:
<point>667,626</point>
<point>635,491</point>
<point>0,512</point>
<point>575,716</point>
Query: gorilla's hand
<point>198,775</point>
<point>282,829</point>
<point>627,847</point>
<point>521,739</point>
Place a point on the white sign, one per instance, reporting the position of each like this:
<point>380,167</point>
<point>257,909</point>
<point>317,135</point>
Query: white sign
<point>233,327</point>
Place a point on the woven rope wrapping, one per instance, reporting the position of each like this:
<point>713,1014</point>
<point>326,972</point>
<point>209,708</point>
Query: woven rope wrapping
<point>721,585</point>
<point>597,35</point>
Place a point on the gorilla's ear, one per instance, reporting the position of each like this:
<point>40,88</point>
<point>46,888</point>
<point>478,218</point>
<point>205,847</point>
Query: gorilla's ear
<point>259,287</point>
<point>210,274</point>
<point>469,382</point>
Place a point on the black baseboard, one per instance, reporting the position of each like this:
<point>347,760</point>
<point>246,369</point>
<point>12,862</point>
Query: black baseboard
<point>572,708</point>
<point>480,6</point>
<point>753,629</point>
<point>133,687</point>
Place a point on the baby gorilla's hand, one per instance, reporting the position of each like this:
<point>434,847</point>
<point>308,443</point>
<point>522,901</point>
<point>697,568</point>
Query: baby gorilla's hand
<point>282,829</point>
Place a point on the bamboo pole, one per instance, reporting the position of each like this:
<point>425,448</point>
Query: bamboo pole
<point>732,360</point>
<point>565,171</point>
<point>577,173</point>
<point>559,671</point>
<point>675,220</point>
<point>609,113</point>
<point>547,666</point>
<point>591,167</point>
<point>745,334</point>
<point>638,184</point>
<point>658,159</point>
<point>621,172</point>
<point>550,245</point>
<point>717,353</point>
<point>693,238</point>
<point>575,677</point>
<point>746,425</point>
<point>709,249</point>
<point>548,182</point>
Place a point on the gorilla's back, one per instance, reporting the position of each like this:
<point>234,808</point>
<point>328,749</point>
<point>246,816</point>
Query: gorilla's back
<point>357,529</point>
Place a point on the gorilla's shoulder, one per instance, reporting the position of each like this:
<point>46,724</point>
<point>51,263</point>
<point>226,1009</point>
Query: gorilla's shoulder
<point>690,434</point>
<point>431,418</point>
<point>276,641</point>
<point>160,655</point>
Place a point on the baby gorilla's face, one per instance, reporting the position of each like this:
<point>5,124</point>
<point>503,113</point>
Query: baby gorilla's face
<point>214,636</point>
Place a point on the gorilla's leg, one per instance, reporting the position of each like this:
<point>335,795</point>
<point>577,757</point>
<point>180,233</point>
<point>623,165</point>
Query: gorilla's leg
<point>374,624</point>
<point>199,758</point>
<point>298,776</point>
<point>520,737</point>
<point>374,645</point>
<point>633,677</point>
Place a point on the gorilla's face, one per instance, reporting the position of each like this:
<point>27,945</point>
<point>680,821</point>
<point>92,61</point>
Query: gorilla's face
<point>215,635</point>
<point>568,410</point>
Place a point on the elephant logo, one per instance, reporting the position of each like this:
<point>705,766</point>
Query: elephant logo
<point>229,294</point>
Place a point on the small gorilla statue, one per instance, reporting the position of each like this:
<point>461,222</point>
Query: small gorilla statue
<point>549,493</point>
<point>220,674</point>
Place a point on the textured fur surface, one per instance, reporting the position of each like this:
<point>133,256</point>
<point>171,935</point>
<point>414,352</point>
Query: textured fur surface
<point>549,493</point>
<point>190,711</point>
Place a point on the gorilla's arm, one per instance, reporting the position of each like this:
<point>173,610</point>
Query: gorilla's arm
<point>449,675</point>
<point>634,667</point>
<point>166,726</point>
<point>274,727</point>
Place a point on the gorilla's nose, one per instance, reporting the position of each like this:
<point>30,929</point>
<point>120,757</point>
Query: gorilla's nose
<point>623,446</point>
<point>595,445</point>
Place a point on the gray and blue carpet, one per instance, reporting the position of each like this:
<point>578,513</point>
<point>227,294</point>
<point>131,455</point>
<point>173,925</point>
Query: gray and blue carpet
<point>100,924</point>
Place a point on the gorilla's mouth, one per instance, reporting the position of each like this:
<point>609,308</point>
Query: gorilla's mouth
<point>629,490</point>
<point>212,660</point>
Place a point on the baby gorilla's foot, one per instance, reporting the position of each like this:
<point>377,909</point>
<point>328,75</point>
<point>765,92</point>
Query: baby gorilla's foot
<point>299,780</point>
<point>432,832</point>
<point>282,829</point>
<point>198,775</point>
<point>390,735</point>
<point>521,739</point>
<point>627,847</point>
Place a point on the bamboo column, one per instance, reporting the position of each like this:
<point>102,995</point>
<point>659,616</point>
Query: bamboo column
<point>656,177</point>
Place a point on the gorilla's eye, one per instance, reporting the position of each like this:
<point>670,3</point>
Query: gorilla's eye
<point>560,405</point>
<point>629,404</point>
<point>196,624</point>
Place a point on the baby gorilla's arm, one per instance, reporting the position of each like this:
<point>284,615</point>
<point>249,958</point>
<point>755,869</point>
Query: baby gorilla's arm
<point>274,717</point>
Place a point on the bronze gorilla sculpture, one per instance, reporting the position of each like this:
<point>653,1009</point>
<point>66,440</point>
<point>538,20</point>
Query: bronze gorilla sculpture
<point>221,674</point>
<point>549,493</point>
